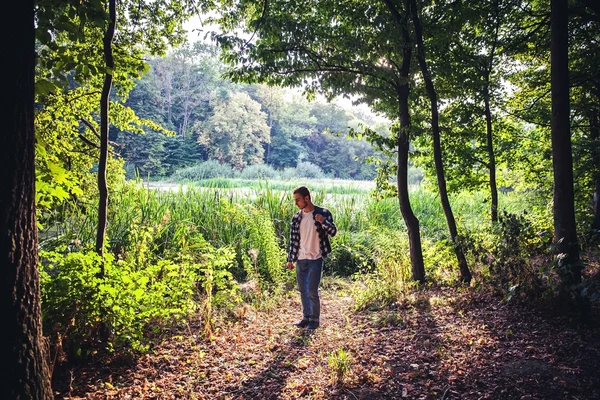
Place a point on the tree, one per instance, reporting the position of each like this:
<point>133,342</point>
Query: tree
<point>25,373</point>
<point>236,131</point>
<point>104,125</point>
<point>465,273</point>
<point>69,34</point>
<point>565,228</point>
<point>332,50</point>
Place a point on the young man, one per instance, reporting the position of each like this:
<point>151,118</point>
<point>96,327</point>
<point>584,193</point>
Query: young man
<point>309,244</point>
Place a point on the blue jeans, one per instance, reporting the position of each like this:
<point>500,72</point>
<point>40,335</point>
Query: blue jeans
<point>308,277</point>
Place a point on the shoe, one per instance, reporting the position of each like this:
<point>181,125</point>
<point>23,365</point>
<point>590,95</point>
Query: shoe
<point>303,323</point>
<point>312,325</point>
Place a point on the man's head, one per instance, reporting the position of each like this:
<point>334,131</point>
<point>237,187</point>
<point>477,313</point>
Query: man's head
<point>302,197</point>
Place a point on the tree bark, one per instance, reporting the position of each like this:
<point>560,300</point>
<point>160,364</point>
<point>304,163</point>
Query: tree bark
<point>411,221</point>
<point>595,141</point>
<point>104,107</point>
<point>403,90</point>
<point>565,230</point>
<point>25,373</point>
<point>488,117</point>
<point>490,150</point>
<point>465,273</point>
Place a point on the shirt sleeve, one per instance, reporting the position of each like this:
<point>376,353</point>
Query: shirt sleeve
<point>328,225</point>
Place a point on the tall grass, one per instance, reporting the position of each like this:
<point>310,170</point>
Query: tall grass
<point>223,236</point>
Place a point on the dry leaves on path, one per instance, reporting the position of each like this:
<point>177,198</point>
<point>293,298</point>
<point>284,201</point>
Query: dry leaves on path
<point>436,343</point>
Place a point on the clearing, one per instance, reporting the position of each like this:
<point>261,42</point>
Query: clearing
<point>436,343</point>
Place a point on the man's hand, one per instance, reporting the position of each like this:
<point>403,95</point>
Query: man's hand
<point>319,218</point>
<point>290,265</point>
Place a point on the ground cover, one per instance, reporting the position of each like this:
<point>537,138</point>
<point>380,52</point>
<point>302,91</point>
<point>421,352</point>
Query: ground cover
<point>434,343</point>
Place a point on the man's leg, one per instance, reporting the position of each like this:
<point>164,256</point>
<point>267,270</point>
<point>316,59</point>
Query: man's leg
<point>302,279</point>
<point>314,279</point>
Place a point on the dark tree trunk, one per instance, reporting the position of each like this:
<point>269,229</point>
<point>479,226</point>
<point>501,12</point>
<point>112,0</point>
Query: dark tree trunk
<point>565,230</point>
<point>596,220</point>
<point>25,373</point>
<point>465,273</point>
<point>490,150</point>
<point>104,105</point>
<point>595,141</point>
<point>411,221</point>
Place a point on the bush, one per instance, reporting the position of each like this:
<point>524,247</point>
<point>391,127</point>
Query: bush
<point>303,170</point>
<point>350,254</point>
<point>309,170</point>
<point>205,170</point>
<point>86,310</point>
<point>259,171</point>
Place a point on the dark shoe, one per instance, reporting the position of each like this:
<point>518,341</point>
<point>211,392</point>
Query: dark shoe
<point>312,325</point>
<point>303,323</point>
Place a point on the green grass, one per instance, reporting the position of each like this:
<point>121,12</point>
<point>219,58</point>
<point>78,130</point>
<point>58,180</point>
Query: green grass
<point>330,186</point>
<point>231,212</point>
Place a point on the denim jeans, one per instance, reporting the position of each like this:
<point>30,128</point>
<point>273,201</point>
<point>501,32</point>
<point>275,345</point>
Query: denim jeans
<point>308,277</point>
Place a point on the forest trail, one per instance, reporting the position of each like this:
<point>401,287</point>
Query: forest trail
<point>437,343</point>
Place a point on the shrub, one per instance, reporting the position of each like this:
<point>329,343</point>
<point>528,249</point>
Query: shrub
<point>259,171</point>
<point>205,170</point>
<point>303,170</point>
<point>86,309</point>
<point>351,253</point>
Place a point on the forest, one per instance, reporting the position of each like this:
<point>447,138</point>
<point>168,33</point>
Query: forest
<point>152,150</point>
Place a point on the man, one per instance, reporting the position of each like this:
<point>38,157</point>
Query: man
<point>309,244</point>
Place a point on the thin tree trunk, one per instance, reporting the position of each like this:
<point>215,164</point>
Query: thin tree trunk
<point>490,150</point>
<point>596,196</point>
<point>488,117</point>
<point>595,140</point>
<point>565,230</point>
<point>403,90</point>
<point>23,355</point>
<point>465,273</point>
<point>270,136</point>
<point>104,105</point>
<point>411,221</point>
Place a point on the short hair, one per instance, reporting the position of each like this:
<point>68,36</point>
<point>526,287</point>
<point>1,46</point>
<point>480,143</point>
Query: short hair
<point>303,190</point>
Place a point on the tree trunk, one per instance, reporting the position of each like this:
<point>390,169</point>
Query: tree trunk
<point>596,220</point>
<point>267,158</point>
<point>104,105</point>
<point>490,150</point>
<point>565,230</point>
<point>465,273</point>
<point>411,221</point>
<point>25,373</point>
<point>403,90</point>
<point>595,143</point>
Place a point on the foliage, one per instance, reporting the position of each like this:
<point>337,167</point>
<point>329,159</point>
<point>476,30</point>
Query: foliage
<point>259,172</point>
<point>204,170</point>
<point>351,253</point>
<point>340,365</point>
<point>80,307</point>
<point>304,170</point>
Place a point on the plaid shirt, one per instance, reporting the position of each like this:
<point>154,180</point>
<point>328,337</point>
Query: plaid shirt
<point>326,229</point>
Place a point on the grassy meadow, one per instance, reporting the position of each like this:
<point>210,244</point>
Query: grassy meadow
<point>175,249</point>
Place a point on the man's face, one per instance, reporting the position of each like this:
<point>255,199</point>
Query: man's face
<point>300,201</point>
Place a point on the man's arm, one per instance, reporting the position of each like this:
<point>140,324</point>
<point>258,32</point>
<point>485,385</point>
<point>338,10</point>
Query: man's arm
<point>328,224</point>
<point>294,242</point>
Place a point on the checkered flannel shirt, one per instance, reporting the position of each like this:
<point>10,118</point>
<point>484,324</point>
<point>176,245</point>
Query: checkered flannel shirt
<point>326,229</point>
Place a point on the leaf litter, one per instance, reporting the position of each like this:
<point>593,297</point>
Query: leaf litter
<point>439,343</point>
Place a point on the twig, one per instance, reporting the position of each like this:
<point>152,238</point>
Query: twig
<point>446,394</point>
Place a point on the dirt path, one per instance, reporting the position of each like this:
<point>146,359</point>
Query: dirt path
<point>436,344</point>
